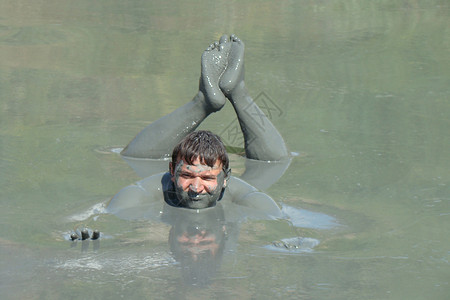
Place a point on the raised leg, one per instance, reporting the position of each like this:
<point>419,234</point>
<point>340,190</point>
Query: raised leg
<point>262,139</point>
<point>159,138</point>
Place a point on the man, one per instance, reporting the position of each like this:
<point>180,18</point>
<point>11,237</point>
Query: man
<point>199,174</point>
<point>199,171</point>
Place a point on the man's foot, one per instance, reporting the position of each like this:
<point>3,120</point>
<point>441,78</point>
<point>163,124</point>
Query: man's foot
<point>214,64</point>
<point>234,73</point>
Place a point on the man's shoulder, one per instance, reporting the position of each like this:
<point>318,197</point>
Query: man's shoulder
<point>244,194</point>
<point>142,192</point>
<point>238,187</point>
<point>155,181</point>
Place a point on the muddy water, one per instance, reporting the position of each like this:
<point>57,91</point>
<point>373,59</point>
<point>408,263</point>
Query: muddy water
<point>358,90</point>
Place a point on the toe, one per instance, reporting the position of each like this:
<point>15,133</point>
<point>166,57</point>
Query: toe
<point>234,38</point>
<point>224,39</point>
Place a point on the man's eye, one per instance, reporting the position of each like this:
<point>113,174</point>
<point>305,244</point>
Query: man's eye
<point>209,178</point>
<point>185,175</point>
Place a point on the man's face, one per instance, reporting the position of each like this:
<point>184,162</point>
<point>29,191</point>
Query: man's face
<point>198,185</point>
<point>198,244</point>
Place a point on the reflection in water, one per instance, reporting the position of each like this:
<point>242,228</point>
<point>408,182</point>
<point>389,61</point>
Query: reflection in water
<point>199,238</point>
<point>308,219</point>
<point>197,241</point>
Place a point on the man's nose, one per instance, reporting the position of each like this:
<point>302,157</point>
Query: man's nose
<point>196,185</point>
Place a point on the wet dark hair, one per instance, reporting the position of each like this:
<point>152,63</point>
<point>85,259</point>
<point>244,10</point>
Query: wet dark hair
<point>201,144</point>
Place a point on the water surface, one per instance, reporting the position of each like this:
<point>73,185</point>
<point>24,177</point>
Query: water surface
<point>360,90</point>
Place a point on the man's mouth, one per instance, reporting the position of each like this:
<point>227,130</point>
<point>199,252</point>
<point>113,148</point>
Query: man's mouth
<point>196,196</point>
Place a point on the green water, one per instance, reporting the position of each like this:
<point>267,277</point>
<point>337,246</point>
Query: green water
<point>361,91</point>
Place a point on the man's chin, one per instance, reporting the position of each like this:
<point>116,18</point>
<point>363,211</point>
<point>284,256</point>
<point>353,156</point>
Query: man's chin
<point>198,201</point>
<point>199,204</point>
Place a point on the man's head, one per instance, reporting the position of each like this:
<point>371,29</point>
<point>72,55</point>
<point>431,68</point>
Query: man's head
<point>200,169</point>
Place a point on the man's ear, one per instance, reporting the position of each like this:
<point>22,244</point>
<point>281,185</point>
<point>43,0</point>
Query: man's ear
<point>226,177</point>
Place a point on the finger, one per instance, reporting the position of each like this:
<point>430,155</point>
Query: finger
<point>95,235</point>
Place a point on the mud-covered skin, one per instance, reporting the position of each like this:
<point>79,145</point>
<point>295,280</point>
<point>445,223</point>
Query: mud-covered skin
<point>214,63</point>
<point>95,235</point>
<point>234,73</point>
<point>74,236</point>
<point>84,235</point>
<point>222,77</point>
<point>159,138</point>
<point>198,186</point>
